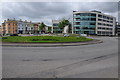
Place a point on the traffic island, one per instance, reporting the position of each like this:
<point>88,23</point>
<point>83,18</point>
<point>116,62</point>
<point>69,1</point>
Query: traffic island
<point>46,41</point>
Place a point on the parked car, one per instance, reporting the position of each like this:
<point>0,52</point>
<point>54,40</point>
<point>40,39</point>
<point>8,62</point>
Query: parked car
<point>66,35</point>
<point>14,35</point>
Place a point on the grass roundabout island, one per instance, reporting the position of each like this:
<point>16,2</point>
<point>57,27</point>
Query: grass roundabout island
<point>44,39</point>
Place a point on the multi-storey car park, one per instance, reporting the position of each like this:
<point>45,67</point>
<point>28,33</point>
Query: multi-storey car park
<point>93,23</point>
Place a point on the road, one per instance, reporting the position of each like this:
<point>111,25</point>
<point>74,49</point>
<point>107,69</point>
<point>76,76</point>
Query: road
<point>86,61</point>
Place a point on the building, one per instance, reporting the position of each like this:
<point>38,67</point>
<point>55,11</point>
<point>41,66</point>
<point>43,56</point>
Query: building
<point>117,30</point>
<point>9,26</point>
<point>48,29</point>
<point>55,28</point>
<point>0,30</point>
<point>12,26</point>
<point>36,28</point>
<point>21,27</point>
<point>93,23</point>
<point>29,27</point>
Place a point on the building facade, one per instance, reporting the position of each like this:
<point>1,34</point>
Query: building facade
<point>36,28</point>
<point>12,26</point>
<point>93,23</point>
<point>117,30</point>
<point>9,26</point>
<point>0,30</point>
<point>55,28</point>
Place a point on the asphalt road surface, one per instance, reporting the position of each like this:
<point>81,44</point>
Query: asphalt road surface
<point>86,61</point>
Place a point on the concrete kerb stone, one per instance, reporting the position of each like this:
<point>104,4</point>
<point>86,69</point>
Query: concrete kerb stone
<point>95,41</point>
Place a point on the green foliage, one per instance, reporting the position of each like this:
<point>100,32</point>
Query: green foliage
<point>49,29</point>
<point>63,23</point>
<point>42,26</point>
<point>44,39</point>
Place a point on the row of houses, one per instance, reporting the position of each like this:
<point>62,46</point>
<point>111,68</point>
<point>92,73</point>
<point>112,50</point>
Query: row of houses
<point>83,22</point>
<point>12,26</point>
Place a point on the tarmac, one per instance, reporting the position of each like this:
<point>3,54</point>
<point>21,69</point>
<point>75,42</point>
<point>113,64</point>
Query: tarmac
<point>95,41</point>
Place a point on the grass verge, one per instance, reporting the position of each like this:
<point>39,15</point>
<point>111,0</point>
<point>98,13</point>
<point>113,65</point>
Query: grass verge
<point>43,39</point>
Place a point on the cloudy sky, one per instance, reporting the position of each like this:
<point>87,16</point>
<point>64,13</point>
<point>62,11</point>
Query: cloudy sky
<point>48,11</point>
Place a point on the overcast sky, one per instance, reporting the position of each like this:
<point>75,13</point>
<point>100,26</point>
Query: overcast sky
<point>48,11</point>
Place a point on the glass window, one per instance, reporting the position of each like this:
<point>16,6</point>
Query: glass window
<point>93,19</point>
<point>100,16</point>
<point>99,19</point>
<point>92,23</point>
<point>93,14</point>
<point>55,24</point>
<point>99,23</point>
<point>77,27</point>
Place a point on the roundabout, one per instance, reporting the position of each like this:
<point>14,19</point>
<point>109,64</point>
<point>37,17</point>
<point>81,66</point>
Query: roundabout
<point>47,41</point>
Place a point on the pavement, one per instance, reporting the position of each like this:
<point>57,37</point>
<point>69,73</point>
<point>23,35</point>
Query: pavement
<point>95,41</point>
<point>86,61</point>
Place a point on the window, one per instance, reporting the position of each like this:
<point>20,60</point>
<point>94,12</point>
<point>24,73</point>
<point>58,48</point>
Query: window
<point>92,28</point>
<point>55,24</point>
<point>85,19</point>
<point>107,17</point>
<point>107,28</point>
<point>104,17</point>
<point>93,19</point>
<point>93,14</point>
<point>103,28</point>
<point>99,23</point>
<point>99,32</point>
<point>99,19</point>
<point>78,19</point>
<point>92,23</point>
<point>99,27</point>
<point>104,20</point>
<point>110,28</point>
<point>111,18</point>
<point>77,23</point>
<point>103,24</point>
<point>77,27</point>
<point>100,16</point>
<point>85,27</point>
<point>107,24</point>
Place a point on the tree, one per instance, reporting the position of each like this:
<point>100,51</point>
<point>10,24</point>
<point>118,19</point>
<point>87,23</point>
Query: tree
<point>63,23</point>
<point>42,27</point>
<point>49,29</point>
